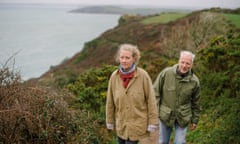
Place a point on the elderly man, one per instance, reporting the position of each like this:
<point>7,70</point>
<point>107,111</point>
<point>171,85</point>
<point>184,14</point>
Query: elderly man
<point>177,91</point>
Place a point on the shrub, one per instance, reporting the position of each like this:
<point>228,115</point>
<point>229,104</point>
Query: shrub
<point>31,114</point>
<point>90,91</point>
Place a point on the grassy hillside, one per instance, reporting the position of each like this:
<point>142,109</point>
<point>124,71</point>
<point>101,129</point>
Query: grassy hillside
<point>163,18</point>
<point>81,81</point>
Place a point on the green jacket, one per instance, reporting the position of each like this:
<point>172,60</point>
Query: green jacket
<point>131,109</point>
<point>178,99</point>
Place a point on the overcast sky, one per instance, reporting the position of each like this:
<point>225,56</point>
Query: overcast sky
<point>180,3</point>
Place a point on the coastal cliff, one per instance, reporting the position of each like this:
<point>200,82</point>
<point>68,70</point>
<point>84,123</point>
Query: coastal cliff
<point>157,36</point>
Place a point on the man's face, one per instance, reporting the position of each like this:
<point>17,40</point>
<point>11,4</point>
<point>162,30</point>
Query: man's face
<point>185,63</point>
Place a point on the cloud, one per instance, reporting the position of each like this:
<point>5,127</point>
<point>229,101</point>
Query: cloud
<point>181,3</point>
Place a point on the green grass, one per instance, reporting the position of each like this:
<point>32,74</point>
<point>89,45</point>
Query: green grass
<point>233,18</point>
<point>163,18</point>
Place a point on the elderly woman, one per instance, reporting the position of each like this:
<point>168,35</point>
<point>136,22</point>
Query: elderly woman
<point>131,105</point>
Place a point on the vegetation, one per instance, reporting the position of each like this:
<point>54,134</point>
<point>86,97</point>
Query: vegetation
<point>163,18</point>
<point>220,77</point>
<point>31,114</point>
<point>67,104</point>
<point>234,18</point>
<point>42,115</point>
<point>90,90</point>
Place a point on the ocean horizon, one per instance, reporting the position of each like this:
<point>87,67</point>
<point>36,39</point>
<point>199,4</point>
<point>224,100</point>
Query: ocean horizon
<point>37,37</point>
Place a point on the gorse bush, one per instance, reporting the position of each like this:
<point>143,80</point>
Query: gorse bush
<point>220,79</point>
<point>221,60</point>
<point>90,91</point>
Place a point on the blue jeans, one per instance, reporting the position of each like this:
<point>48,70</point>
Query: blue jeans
<point>165,133</point>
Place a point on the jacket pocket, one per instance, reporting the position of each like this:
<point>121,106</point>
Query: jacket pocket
<point>165,113</point>
<point>185,110</point>
<point>139,128</point>
<point>185,114</point>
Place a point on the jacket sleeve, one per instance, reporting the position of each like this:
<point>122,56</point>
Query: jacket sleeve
<point>158,83</point>
<point>196,107</point>
<point>110,107</point>
<point>151,101</point>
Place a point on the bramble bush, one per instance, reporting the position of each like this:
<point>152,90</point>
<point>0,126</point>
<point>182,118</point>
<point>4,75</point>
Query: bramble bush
<point>31,114</point>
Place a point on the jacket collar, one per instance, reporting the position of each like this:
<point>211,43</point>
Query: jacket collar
<point>136,74</point>
<point>185,78</point>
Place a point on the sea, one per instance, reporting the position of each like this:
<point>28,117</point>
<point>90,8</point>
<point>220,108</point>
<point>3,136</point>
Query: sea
<point>34,37</point>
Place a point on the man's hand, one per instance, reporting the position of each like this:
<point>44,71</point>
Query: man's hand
<point>193,126</point>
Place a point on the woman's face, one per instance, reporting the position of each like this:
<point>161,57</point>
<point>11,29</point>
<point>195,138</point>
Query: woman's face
<point>185,63</point>
<point>126,59</point>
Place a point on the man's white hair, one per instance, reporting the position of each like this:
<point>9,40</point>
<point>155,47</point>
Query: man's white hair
<point>187,53</point>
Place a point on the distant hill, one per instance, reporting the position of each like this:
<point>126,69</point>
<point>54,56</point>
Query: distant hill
<point>127,10</point>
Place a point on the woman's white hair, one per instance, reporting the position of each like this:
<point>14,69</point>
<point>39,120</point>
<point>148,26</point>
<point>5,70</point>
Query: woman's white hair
<point>129,47</point>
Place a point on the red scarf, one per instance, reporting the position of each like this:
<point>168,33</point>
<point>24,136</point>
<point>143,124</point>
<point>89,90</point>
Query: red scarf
<point>126,78</point>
